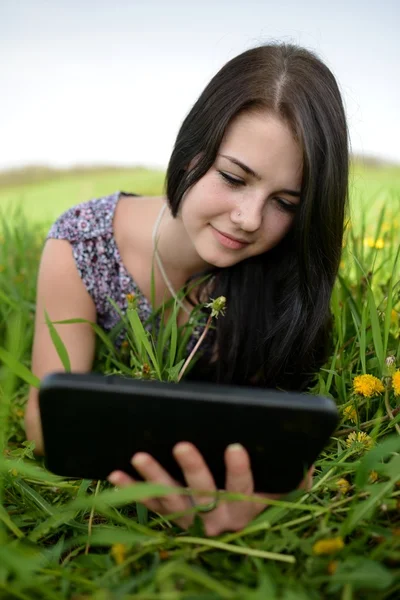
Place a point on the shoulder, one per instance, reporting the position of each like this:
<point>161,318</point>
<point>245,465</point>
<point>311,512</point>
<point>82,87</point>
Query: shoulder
<point>90,219</point>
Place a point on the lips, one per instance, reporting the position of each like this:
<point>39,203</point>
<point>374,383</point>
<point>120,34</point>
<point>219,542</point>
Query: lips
<point>231,237</point>
<point>228,241</point>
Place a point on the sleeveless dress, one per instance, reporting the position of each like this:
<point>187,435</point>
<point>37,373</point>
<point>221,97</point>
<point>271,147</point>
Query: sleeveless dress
<point>88,227</point>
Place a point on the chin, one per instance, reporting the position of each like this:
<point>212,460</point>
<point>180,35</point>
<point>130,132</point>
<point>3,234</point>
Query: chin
<point>219,259</point>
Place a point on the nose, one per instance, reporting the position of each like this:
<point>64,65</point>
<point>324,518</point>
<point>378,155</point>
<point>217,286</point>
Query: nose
<point>248,215</point>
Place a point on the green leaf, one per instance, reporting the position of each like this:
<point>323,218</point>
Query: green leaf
<point>376,328</point>
<point>18,369</point>
<point>96,328</point>
<point>107,536</point>
<point>141,338</point>
<point>174,371</point>
<point>374,457</point>
<point>361,573</point>
<point>58,343</point>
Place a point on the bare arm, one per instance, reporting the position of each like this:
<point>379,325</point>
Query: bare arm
<point>61,292</point>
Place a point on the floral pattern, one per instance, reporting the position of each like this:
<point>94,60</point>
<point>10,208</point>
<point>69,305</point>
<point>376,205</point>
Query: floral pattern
<point>89,229</point>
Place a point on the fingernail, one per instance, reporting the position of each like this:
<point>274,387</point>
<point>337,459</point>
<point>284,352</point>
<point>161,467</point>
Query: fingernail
<point>182,449</point>
<point>114,477</point>
<point>139,459</point>
<point>235,447</point>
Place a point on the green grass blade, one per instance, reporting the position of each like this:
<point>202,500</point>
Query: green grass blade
<point>18,369</point>
<point>59,344</point>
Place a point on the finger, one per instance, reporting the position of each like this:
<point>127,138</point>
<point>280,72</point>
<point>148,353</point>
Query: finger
<point>151,470</point>
<point>122,480</point>
<point>195,470</point>
<point>239,478</point>
<point>307,482</point>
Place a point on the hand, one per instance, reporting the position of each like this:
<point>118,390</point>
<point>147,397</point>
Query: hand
<point>228,515</point>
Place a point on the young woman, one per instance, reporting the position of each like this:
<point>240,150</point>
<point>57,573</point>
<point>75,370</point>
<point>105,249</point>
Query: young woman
<point>256,192</point>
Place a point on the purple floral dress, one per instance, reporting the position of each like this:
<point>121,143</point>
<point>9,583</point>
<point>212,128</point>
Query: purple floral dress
<point>89,229</point>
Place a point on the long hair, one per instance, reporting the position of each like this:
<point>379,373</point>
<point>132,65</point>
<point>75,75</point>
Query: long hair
<point>276,326</point>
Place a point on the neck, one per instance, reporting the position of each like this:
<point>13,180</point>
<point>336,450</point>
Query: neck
<point>176,250</point>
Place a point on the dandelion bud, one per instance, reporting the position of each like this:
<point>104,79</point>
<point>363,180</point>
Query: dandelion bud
<point>218,306</point>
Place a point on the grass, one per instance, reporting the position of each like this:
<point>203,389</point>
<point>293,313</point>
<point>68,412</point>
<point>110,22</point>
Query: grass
<point>81,539</point>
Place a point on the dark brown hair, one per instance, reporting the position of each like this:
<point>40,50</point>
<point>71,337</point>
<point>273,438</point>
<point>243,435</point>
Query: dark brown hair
<point>278,316</point>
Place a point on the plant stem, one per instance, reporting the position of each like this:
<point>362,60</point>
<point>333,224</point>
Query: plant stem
<point>367,423</point>
<point>389,410</point>
<point>193,352</point>
<point>91,520</point>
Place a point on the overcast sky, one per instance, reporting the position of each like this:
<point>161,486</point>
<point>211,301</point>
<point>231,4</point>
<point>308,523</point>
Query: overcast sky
<point>96,81</point>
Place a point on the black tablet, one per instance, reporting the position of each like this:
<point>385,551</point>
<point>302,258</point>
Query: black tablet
<point>93,425</point>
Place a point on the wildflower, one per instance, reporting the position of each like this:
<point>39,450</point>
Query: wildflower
<point>342,264</point>
<point>359,437</point>
<point>343,485</point>
<point>329,545</point>
<point>332,566</point>
<point>367,386</point>
<point>394,316</point>
<point>396,383</point>
<point>19,412</point>
<point>146,370</point>
<point>350,413</point>
<point>217,306</point>
<point>371,243</point>
<point>118,552</point>
<point>131,299</point>
<point>373,476</point>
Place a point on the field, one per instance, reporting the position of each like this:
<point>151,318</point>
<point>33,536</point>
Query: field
<point>341,540</point>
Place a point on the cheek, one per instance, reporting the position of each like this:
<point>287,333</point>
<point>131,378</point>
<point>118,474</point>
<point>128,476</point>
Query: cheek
<point>207,198</point>
<point>276,227</point>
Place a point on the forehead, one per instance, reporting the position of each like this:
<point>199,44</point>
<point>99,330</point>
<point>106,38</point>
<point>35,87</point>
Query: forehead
<point>266,144</point>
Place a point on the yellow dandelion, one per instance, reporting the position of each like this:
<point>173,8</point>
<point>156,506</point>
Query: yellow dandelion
<point>343,485</point>
<point>328,546</point>
<point>350,413</point>
<point>379,244</point>
<point>367,386</point>
<point>359,437</point>
<point>396,383</point>
<point>373,476</point>
<point>369,241</point>
<point>118,552</point>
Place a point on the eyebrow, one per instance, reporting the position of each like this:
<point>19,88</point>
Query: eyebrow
<point>249,171</point>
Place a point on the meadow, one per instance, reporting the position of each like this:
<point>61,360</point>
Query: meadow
<point>82,539</point>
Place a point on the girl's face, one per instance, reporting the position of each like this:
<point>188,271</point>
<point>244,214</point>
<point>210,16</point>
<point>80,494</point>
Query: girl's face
<point>245,203</point>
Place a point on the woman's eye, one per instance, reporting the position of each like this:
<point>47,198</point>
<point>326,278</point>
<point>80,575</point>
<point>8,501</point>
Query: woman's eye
<point>231,180</point>
<point>286,206</point>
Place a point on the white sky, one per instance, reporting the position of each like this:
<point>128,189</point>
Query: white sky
<point>96,81</point>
